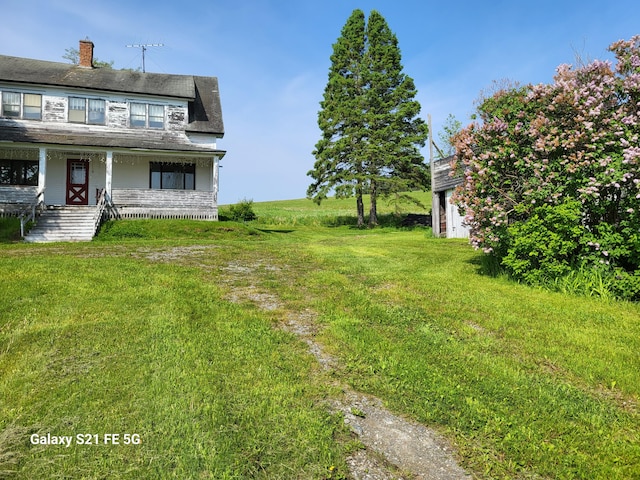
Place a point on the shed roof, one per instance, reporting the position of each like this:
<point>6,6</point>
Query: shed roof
<point>442,180</point>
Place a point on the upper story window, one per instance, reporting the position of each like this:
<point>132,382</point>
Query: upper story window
<point>87,110</point>
<point>22,105</point>
<point>144,115</point>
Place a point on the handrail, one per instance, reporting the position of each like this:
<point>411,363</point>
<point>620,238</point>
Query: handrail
<point>29,213</point>
<point>101,205</point>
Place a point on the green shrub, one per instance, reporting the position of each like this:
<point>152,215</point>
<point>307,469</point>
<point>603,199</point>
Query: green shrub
<point>242,211</point>
<point>550,174</point>
<point>626,285</point>
<point>544,245</point>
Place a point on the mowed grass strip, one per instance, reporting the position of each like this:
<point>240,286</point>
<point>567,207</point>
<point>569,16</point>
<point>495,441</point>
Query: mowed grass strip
<point>123,345</point>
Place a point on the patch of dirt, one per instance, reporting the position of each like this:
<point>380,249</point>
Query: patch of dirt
<point>265,301</point>
<point>394,448</point>
<point>302,325</point>
<point>174,254</point>
<point>418,452</point>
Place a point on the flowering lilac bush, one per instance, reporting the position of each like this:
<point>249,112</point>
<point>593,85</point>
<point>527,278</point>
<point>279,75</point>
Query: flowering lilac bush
<point>551,173</point>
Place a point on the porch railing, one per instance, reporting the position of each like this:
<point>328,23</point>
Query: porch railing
<point>152,203</point>
<point>101,206</point>
<point>31,212</point>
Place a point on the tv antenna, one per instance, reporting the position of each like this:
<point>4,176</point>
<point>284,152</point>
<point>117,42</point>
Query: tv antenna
<point>144,47</point>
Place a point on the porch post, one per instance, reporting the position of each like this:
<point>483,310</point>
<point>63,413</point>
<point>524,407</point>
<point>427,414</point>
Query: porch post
<point>109,177</point>
<point>216,176</point>
<point>215,173</point>
<point>42,170</point>
<point>435,213</point>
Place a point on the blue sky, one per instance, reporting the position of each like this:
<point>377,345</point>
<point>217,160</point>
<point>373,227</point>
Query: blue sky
<point>272,59</point>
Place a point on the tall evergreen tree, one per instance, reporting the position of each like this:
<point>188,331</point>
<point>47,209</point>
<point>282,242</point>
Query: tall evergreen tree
<point>394,161</point>
<point>339,156</point>
<point>369,120</point>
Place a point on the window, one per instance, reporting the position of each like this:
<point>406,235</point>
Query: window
<point>156,116</point>
<point>10,104</point>
<point>32,109</point>
<point>82,110</point>
<point>18,172</point>
<point>96,112</point>
<point>146,116</point>
<point>19,105</point>
<point>138,115</point>
<point>77,108</point>
<point>177,176</point>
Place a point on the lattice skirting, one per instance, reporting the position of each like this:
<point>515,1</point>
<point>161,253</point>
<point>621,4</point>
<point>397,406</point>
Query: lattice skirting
<point>11,210</point>
<point>121,212</point>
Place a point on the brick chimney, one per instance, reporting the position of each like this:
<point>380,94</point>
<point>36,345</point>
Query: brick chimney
<point>86,53</point>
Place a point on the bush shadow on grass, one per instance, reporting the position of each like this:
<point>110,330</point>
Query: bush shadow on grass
<point>275,230</point>
<point>487,265</point>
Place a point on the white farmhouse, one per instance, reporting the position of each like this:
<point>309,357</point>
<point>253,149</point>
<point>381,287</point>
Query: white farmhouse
<point>106,143</point>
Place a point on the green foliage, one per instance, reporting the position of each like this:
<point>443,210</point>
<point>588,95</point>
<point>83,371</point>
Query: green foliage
<point>551,178</point>
<point>450,129</point>
<point>9,229</point>
<point>339,160</point>
<point>371,132</point>
<point>544,245</point>
<point>73,55</point>
<point>625,284</point>
<point>242,211</point>
<point>584,282</point>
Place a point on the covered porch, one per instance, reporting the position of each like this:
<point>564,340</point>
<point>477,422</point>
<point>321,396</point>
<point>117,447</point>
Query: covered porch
<point>136,184</point>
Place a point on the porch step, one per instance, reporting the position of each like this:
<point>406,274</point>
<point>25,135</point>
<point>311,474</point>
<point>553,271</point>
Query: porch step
<point>64,224</point>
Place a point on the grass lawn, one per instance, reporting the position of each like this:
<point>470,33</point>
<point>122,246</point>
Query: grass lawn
<point>139,332</point>
<point>333,211</point>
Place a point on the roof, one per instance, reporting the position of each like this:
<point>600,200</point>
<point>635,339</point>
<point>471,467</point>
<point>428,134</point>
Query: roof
<point>201,118</point>
<point>12,131</point>
<point>442,180</point>
<point>26,70</point>
<point>201,92</point>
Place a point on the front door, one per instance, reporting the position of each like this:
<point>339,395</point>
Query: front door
<point>77,182</point>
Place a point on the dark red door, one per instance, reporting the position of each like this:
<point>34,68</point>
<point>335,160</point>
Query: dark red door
<point>77,182</point>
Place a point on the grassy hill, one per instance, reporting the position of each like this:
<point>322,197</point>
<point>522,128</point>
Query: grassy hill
<point>173,333</point>
<point>335,211</point>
